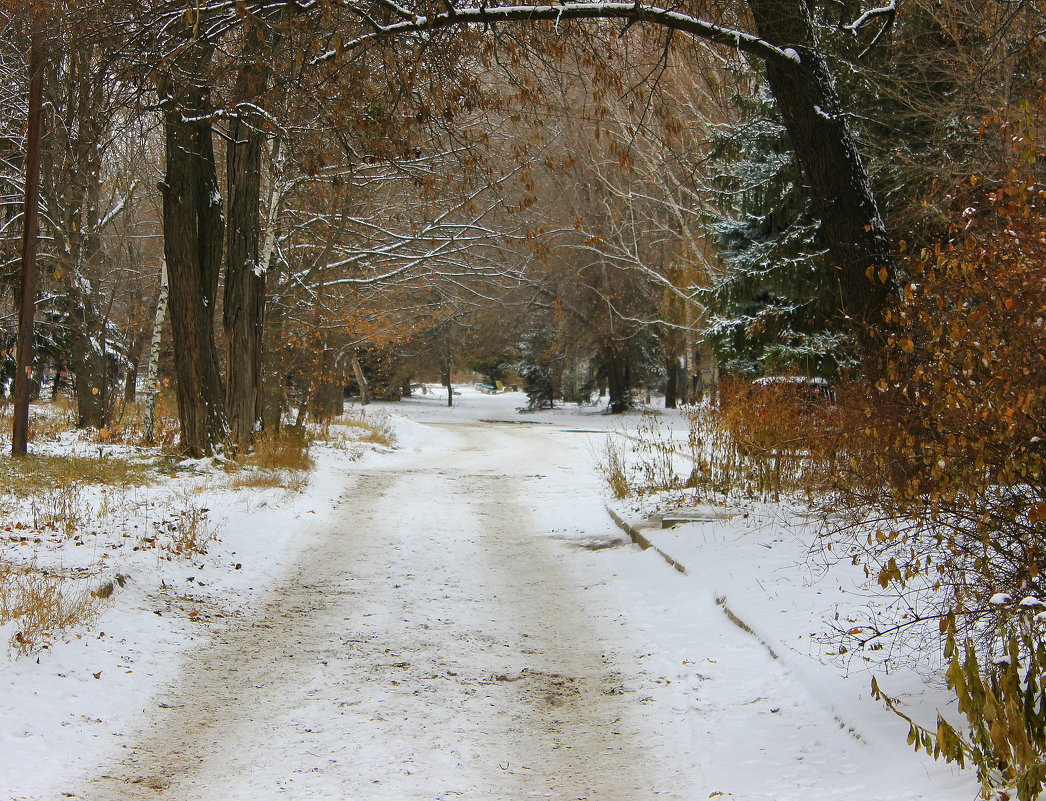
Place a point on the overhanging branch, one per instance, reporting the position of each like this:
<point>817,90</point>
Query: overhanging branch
<point>629,11</point>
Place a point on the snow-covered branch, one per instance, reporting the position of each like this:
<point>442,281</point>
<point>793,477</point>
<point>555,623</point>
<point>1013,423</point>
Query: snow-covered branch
<point>628,11</point>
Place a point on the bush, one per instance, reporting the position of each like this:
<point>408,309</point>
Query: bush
<point>928,469</point>
<point>941,492</point>
<point>285,448</point>
<point>762,441</point>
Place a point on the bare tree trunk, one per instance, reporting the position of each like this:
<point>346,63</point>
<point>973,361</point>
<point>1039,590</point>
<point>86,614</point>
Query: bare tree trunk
<point>446,376</point>
<point>130,379</point>
<point>193,228</point>
<point>244,308</point>
<point>59,382</point>
<point>152,387</point>
<point>618,388</point>
<point>672,381</point>
<point>30,234</point>
<point>93,372</point>
<point>448,362</point>
<point>272,203</point>
<point>274,400</point>
<point>361,379</point>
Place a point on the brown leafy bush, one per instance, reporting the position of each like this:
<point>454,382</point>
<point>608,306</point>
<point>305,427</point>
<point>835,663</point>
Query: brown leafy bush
<point>759,441</point>
<point>950,453</point>
<point>941,491</point>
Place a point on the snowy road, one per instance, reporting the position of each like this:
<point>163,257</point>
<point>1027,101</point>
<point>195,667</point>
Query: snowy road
<point>432,645</point>
<point>467,623</point>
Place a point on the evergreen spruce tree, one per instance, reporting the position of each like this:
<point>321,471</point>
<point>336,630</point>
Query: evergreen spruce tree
<point>772,308</point>
<point>540,366</point>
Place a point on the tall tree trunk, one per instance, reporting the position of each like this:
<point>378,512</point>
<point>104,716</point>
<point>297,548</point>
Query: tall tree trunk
<point>618,388</point>
<point>244,309</point>
<point>30,234</point>
<point>59,379</point>
<point>838,182</point>
<point>193,229</point>
<point>448,363</point>
<point>444,377</point>
<point>93,371</point>
<point>361,379</point>
<point>672,382</point>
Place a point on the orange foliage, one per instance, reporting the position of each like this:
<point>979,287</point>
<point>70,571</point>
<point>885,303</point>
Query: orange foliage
<point>946,451</point>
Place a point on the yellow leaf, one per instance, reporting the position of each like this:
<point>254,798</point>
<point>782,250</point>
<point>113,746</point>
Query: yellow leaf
<point>1037,513</point>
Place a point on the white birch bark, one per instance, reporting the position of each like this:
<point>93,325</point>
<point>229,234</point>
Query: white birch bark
<point>272,202</point>
<point>151,374</point>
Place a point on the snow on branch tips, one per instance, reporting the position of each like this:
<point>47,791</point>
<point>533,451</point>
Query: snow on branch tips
<point>889,11</point>
<point>630,11</point>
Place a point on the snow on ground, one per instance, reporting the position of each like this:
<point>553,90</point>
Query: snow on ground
<point>460,619</point>
<point>62,707</point>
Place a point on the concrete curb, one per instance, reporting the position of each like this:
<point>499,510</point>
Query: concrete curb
<point>733,618</point>
<point>639,539</point>
<point>721,601</point>
<point>642,541</point>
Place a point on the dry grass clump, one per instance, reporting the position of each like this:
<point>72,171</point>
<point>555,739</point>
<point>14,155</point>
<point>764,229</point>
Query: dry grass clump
<point>290,480</point>
<point>280,460</point>
<point>62,507</point>
<point>128,424</point>
<point>614,470</point>
<point>31,475</point>
<point>47,420</point>
<point>364,428</point>
<point>41,605</point>
<point>285,448</point>
<point>185,529</point>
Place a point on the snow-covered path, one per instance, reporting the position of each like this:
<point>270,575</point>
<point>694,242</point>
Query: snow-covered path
<point>467,623</point>
<point>420,650</point>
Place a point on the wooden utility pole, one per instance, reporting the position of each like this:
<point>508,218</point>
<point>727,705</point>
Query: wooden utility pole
<point>30,234</point>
